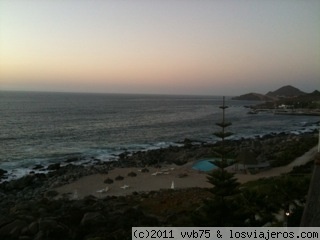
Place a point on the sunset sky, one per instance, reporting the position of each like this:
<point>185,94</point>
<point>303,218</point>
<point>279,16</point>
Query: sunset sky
<point>159,46</point>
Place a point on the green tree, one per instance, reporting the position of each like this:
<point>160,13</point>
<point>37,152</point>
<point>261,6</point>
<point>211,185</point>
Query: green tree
<point>222,208</point>
<point>222,150</point>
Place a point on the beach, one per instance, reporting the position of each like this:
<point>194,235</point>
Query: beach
<point>167,177</point>
<point>161,178</point>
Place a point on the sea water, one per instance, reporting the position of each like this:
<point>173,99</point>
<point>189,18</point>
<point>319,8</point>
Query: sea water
<point>43,128</point>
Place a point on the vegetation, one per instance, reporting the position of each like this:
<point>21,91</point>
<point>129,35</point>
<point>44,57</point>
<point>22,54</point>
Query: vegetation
<point>223,150</point>
<point>255,203</point>
<point>293,150</point>
<point>285,193</point>
<point>222,208</point>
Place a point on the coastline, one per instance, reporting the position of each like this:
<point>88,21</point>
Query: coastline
<point>180,158</point>
<point>297,112</point>
<point>91,137</point>
<point>181,177</point>
<point>8,174</point>
<point>66,200</point>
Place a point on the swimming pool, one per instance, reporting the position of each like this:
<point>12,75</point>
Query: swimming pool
<point>204,165</point>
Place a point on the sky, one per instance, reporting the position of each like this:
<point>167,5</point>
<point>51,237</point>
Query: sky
<point>201,47</point>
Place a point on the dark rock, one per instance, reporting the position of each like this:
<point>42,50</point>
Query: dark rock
<point>92,219</point>
<point>33,228</point>
<point>187,143</point>
<point>2,172</point>
<point>40,236</point>
<point>54,167</point>
<point>25,238</point>
<point>21,183</point>
<point>123,155</point>
<point>53,229</point>
<point>72,159</point>
<point>145,170</point>
<point>88,200</point>
<point>13,229</point>
<point>51,194</point>
<point>37,167</point>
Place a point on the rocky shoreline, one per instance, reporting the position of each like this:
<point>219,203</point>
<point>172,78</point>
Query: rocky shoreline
<point>263,147</point>
<point>28,209</point>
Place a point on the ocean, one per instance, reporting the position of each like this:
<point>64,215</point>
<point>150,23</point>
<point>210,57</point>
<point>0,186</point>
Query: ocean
<point>44,128</point>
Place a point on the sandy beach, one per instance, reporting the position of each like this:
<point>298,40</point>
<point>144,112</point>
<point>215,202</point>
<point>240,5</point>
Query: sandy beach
<point>163,178</point>
<point>155,179</point>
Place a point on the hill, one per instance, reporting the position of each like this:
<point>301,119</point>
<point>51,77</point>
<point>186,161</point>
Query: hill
<point>254,97</point>
<point>315,96</point>
<point>286,91</point>
<point>283,92</point>
<point>309,100</point>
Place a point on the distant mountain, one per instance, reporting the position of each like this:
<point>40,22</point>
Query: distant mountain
<point>315,93</point>
<point>254,97</point>
<point>286,91</point>
<point>306,101</point>
<point>314,96</point>
<point>283,92</point>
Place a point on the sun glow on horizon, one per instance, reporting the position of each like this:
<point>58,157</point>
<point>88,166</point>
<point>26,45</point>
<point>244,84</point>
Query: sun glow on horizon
<point>190,47</point>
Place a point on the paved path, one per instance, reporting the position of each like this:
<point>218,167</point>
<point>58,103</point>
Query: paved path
<point>278,170</point>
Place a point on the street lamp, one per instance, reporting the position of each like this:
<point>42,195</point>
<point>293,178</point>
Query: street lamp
<point>286,216</point>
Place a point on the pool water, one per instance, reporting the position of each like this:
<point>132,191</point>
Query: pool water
<point>204,165</point>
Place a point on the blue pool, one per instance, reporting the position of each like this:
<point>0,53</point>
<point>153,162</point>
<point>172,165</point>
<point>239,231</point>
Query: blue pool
<point>204,165</point>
